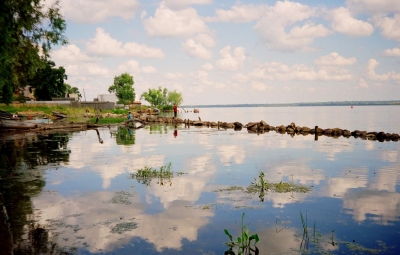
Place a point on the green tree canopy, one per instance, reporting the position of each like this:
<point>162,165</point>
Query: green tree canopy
<point>28,30</point>
<point>48,81</point>
<point>123,88</point>
<point>73,90</point>
<point>175,98</point>
<point>156,97</point>
<point>162,98</point>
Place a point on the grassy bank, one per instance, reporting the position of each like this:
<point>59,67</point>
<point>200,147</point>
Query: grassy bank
<point>74,114</point>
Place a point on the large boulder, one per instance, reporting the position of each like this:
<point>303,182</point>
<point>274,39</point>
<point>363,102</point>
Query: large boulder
<point>263,123</point>
<point>281,128</point>
<point>337,131</point>
<point>237,125</point>
<point>250,125</point>
<point>346,133</point>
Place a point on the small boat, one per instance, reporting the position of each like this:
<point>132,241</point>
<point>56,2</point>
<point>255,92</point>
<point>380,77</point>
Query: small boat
<point>60,115</point>
<point>15,124</point>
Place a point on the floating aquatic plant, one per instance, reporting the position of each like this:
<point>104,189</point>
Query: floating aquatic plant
<point>147,174</point>
<point>262,185</point>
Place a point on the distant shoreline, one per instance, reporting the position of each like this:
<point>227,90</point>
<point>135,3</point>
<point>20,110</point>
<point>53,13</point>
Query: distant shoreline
<point>342,103</point>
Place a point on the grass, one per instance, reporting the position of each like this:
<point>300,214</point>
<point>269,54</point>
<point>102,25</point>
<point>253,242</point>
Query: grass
<point>74,114</point>
<point>42,109</point>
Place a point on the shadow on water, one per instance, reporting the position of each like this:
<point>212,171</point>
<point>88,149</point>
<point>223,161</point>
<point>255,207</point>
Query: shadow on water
<point>21,178</point>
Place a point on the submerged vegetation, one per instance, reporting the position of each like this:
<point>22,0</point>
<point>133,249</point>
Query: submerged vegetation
<point>313,242</point>
<point>147,174</point>
<point>243,243</point>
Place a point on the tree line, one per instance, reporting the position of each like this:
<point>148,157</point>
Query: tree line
<point>28,31</point>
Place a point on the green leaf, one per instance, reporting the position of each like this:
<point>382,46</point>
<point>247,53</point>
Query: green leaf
<point>229,235</point>
<point>254,237</point>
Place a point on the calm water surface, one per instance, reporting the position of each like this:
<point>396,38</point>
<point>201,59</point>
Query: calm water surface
<point>68,192</point>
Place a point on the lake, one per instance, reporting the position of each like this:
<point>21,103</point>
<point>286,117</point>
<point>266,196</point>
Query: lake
<point>173,189</point>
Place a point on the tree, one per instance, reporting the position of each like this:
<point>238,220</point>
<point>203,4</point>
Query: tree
<point>175,98</point>
<point>73,90</point>
<point>48,81</point>
<point>162,98</point>
<point>28,30</point>
<point>123,88</point>
<point>156,97</point>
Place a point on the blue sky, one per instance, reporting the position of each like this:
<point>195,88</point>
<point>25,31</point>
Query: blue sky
<point>228,52</point>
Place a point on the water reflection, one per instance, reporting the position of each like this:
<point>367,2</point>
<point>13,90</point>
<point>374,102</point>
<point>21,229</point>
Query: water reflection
<point>124,136</point>
<point>23,160</point>
<point>103,221</point>
<point>77,191</point>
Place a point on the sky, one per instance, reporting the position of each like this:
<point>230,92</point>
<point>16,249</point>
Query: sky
<point>235,52</point>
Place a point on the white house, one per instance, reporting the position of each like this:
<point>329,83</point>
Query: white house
<point>107,98</point>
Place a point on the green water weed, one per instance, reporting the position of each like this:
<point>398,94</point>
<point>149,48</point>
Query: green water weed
<point>242,243</point>
<point>163,175</point>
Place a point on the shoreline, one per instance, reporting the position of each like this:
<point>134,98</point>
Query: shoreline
<point>260,127</point>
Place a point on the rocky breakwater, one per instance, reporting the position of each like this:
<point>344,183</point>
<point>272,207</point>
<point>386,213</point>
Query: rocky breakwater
<point>292,129</point>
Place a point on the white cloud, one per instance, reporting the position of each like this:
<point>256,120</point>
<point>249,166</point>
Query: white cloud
<point>240,13</point>
<point>178,4</point>
<point>104,45</point>
<point>395,52</point>
<point>208,67</point>
<point>173,76</point>
<point>372,63</point>
<point>141,50</point>
<point>91,11</point>
<point>70,54</point>
<point>86,70</point>
<point>132,66</point>
<point>390,27</point>
<point>203,78</point>
<point>271,27</point>
<point>373,6</point>
<point>180,23</point>
<point>196,50</point>
<point>206,40</point>
<point>343,22</point>
<point>256,85</point>
<point>275,71</point>
<point>334,59</point>
<point>143,15</point>
<point>231,62</point>
<point>362,83</point>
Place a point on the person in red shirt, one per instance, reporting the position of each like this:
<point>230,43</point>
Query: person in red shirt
<point>175,110</point>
